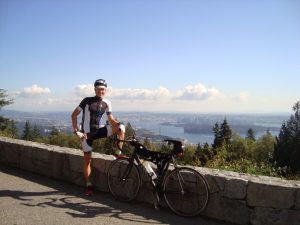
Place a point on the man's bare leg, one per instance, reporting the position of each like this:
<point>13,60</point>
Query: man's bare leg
<point>87,172</point>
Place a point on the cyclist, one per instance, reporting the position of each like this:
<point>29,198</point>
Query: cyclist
<point>92,109</point>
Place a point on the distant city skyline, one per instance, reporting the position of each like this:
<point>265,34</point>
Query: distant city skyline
<point>153,125</point>
<point>163,56</point>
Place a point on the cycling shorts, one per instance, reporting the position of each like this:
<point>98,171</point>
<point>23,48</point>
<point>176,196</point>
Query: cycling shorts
<point>102,132</point>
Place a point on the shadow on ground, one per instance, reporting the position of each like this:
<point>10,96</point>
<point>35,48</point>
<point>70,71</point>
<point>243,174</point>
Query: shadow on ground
<point>72,200</point>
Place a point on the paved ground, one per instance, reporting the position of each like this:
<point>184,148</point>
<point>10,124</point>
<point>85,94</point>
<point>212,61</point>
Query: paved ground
<point>29,199</point>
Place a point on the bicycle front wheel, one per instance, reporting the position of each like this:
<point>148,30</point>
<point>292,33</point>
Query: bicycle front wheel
<point>123,179</point>
<point>186,191</point>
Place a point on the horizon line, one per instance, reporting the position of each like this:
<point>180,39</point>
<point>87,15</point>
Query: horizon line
<point>155,112</point>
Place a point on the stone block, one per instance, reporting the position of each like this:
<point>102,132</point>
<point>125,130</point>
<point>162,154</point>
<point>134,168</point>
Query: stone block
<point>75,162</point>
<point>43,168</point>
<point>4,149</point>
<point>100,164</point>
<point>99,181</point>
<point>77,178</point>
<point>11,154</point>
<point>2,152</point>
<point>269,216</point>
<point>57,164</point>
<point>297,198</point>
<point>270,195</point>
<point>28,160</point>
<point>233,211</point>
<point>216,183</point>
<point>235,189</point>
<point>66,171</point>
<point>42,155</point>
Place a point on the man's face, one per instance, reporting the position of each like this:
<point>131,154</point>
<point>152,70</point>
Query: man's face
<point>100,91</point>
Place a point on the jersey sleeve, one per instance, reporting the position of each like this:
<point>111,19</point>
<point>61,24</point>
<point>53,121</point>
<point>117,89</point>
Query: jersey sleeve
<point>108,108</point>
<point>82,104</point>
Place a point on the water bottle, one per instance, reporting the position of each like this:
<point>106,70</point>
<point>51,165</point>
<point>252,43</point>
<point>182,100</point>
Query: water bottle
<point>149,170</point>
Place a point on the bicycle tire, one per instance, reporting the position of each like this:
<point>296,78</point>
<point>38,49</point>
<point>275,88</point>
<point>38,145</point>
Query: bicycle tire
<point>186,191</point>
<point>124,180</point>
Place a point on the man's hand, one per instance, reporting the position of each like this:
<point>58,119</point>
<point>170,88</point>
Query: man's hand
<point>80,135</point>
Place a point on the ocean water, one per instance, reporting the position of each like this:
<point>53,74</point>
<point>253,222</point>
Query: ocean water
<point>173,132</point>
<point>177,132</point>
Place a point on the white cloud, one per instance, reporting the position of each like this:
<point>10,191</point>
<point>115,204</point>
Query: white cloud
<point>84,90</point>
<point>189,93</point>
<point>34,90</point>
<point>139,94</point>
<point>198,92</point>
<point>197,97</point>
<point>242,97</point>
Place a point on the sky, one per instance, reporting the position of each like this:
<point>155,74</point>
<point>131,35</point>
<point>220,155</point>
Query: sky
<point>197,56</point>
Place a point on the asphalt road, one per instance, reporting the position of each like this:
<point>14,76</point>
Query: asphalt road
<point>30,199</point>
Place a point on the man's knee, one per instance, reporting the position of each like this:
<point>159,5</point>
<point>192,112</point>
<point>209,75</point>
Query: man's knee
<point>87,157</point>
<point>87,145</point>
<point>122,129</point>
<point>118,130</point>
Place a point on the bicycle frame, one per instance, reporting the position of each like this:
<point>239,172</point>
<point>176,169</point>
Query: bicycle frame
<point>164,184</point>
<point>157,183</point>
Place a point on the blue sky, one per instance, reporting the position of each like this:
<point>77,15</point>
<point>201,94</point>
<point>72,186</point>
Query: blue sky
<point>188,55</point>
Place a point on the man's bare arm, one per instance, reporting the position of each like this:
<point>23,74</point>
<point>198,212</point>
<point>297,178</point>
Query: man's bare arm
<point>74,116</point>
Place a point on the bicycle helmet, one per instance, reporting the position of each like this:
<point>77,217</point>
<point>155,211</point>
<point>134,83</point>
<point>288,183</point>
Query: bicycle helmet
<point>100,83</point>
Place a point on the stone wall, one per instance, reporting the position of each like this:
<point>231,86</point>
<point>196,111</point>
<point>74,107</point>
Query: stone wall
<point>235,198</point>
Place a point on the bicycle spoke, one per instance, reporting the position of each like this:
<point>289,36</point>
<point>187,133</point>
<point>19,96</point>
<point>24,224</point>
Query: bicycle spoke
<point>123,180</point>
<point>186,191</point>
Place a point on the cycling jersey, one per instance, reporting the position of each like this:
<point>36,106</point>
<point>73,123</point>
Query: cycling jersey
<point>93,109</point>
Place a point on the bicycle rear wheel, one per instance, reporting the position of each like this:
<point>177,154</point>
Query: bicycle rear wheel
<point>123,179</point>
<point>186,191</point>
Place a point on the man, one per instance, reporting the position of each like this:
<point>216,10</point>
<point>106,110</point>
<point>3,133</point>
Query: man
<point>92,109</point>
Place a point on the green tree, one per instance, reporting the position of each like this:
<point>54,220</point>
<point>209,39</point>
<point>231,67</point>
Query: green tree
<point>188,155</point>
<point>225,132</point>
<point>223,135</point>
<point>218,139</point>
<point>250,134</point>
<point>4,122</point>
<point>54,131</point>
<point>264,148</point>
<point>239,148</point>
<point>203,153</point>
<point>27,132</point>
<point>10,129</point>
<point>287,146</point>
<point>129,130</point>
<point>3,99</point>
<point>36,133</point>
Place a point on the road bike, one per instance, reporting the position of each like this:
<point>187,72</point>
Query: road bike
<point>185,190</point>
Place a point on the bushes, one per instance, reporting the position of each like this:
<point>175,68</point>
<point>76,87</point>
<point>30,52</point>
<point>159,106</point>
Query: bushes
<point>65,140</point>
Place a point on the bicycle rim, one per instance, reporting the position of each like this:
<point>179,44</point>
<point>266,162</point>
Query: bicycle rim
<point>186,191</point>
<point>123,180</point>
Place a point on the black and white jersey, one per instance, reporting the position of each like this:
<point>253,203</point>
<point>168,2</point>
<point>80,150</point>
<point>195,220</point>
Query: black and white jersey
<point>93,109</point>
